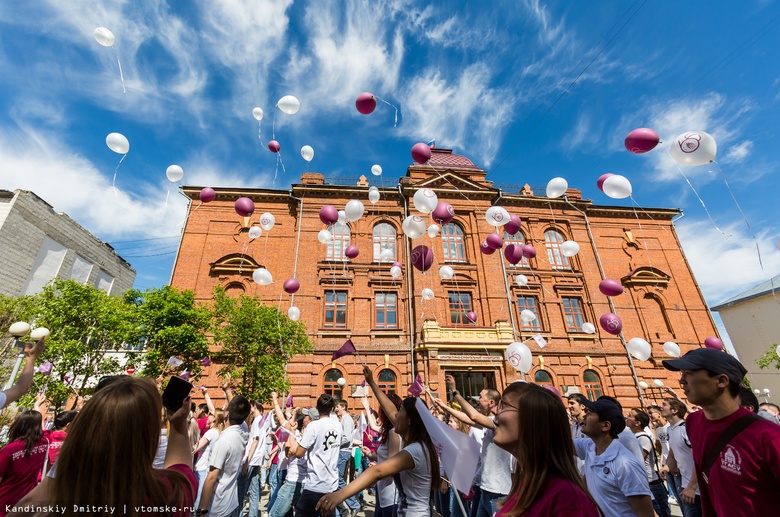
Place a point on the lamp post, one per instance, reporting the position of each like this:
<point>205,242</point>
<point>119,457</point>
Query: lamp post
<point>17,330</point>
<point>766,394</point>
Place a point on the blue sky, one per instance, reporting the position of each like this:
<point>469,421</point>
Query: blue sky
<point>529,90</point>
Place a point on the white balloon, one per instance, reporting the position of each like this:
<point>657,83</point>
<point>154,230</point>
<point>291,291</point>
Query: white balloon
<point>104,36</point>
<point>395,272</point>
<point>307,152</point>
<point>757,392</point>
<point>519,356</point>
<point>19,328</point>
<point>289,104</point>
<point>617,187</point>
<point>324,236</point>
<point>174,173</point>
<point>643,385</point>
<point>373,196</point>
<point>255,232</point>
<point>521,280</point>
<point>589,328</point>
<point>694,148</point>
<point>39,333</point>
<point>766,391</point>
<point>497,216</point>
<point>267,221</point>
<point>342,217</point>
<point>354,210</point>
<point>294,313</point>
<point>433,231</point>
<point>569,248</point>
<point>341,382</point>
<point>258,113</point>
<point>556,187</point>
<point>658,383</point>
<point>262,276</point>
<point>376,170</point>
<point>425,200</point>
<point>527,316</point>
<point>386,255</point>
<point>118,143</point>
<point>427,294</point>
<point>639,348</point>
<point>672,349</point>
<point>414,226</point>
<point>446,272</point>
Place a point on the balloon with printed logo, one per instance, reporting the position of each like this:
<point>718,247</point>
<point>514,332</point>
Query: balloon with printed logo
<point>694,148</point>
<point>352,251</point>
<point>329,214</point>
<point>244,206</point>
<point>513,226</point>
<point>446,272</point>
<point>556,187</point>
<point>639,348</point>
<point>208,194</point>
<point>395,272</point>
<point>497,216</point>
<point>672,349</point>
<point>714,342</point>
<point>274,146</point>
<point>294,313</point>
<point>118,143</point>
<point>267,221</point>
<point>527,316</point>
<point>521,280</point>
<point>486,249</point>
<point>354,210</point>
<point>641,140</point>
<point>617,187</point>
<point>422,257</point>
<point>513,253</point>
<point>602,179</point>
<point>443,213</point>
<point>376,170</point>
<point>386,255</point>
<point>325,237</point>
<point>610,287</point>
<point>421,153</point>
<point>365,103</point>
<point>307,153</point>
<point>255,232</point>
<point>569,248</point>
<point>529,251</point>
<point>414,227</point>
<point>611,323</point>
<point>104,36</point>
<point>291,286</point>
<point>471,317</point>
<point>519,357</point>
<point>289,104</point>
<point>433,231</point>
<point>589,328</point>
<point>174,173</point>
<point>258,114</point>
<point>427,294</point>
<point>495,241</point>
<point>425,200</point>
<point>373,196</point>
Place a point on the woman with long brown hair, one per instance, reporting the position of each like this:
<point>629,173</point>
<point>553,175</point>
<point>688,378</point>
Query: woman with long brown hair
<point>532,425</point>
<point>22,459</point>
<point>387,497</point>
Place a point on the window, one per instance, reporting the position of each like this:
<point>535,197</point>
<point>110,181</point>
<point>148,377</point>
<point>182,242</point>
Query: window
<point>386,381</point>
<point>542,377</point>
<point>384,239</point>
<point>386,310</point>
<point>331,384</point>
<point>529,302</point>
<point>460,304</point>
<point>592,385</point>
<point>47,266</point>
<point>340,241</point>
<point>517,239</point>
<point>572,311</point>
<point>335,309</point>
<point>552,241</point>
<point>452,241</point>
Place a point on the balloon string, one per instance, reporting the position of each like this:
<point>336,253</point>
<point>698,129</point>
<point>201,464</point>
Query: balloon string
<point>121,75</point>
<point>641,232</point>
<point>273,126</point>
<point>279,161</point>
<point>185,216</point>
<point>750,229</point>
<point>113,183</point>
<point>167,196</point>
<point>260,133</point>
<point>395,121</point>
<point>243,252</point>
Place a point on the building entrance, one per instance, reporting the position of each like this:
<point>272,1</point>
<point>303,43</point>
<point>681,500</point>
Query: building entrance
<point>470,382</point>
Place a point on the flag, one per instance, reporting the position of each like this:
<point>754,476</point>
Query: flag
<point>416,388</point>
<point>363,384</point>
<point>206,361</point>
<point>284,434</point>
<point>432,143</point>
<point>174,362</point>
<point>362,424</point>
<point>346,349</point>
<point>185,375</point>
<point>540,340</point>
<point>458,453</point>
<point>289,402</point>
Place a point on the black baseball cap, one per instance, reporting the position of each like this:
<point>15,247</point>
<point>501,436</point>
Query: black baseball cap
<point>716,361</point>
<point>607,411</point>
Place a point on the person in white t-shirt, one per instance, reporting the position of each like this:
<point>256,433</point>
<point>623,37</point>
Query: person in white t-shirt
<point>351,504</point>
<point>205,445</point>
<point>219,497</point>
<point>320,443</point>
<point>626,437</point>
<point>290,491</point>
<point>387,497</point>
<point>253,458</point>
<point>637,421</point>
<point>680,464</point>
<point>415,468</point>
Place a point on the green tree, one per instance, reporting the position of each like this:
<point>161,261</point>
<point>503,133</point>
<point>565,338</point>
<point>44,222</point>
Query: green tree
<point>255,343</point>
<point>770,357</point>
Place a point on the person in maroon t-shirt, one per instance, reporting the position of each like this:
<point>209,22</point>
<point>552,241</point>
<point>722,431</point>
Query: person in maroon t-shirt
<point>22,459</point>
<point>57,435</point>
<point>202,417</point>
<point>745,476</point>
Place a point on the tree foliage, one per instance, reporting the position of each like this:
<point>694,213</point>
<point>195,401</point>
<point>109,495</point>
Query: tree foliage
<point>770,357</point>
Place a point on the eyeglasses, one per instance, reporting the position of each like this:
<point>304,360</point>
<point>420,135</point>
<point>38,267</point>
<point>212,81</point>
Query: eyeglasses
<point>504,405</point>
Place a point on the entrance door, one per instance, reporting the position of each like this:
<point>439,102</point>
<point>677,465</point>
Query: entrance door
<point>471,382</point>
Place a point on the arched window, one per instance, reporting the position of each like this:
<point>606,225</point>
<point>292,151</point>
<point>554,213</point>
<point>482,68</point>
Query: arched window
<point>542,377</point>
<point>384,239</point>
<point>452,242</point>
<point>386,381</point>
<point>331,384</point>
<point>339,243</point>
<point>592,385</point>
<point>552,241</point>
<point>517,239</point>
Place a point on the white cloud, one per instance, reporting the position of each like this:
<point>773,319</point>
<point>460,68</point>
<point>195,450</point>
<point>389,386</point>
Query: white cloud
<point>738,153</point>
<point>586,133</point>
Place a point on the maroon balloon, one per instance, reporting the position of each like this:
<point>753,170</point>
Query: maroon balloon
<point>611,323</point>
<point>642,140</point>
<point>421,153</point>
<point>352,251</point>
<point>495,241</point>
<point>486,249</point>
<point>602,178</point>
<point>329,214</point>
<point>244,206</point>
<point>529,251</point>
<point>274,146</point>
<point>443,213</point>
<point>471,316</point>
<point>398,264</point>
<point>365,103</point>
<point>207,195</point>
<point>513,226</point>
<point>714,343</point>
<point>513,253</point>
<point>422,257</point>
<point>610,287</point>
<point>291,286</point>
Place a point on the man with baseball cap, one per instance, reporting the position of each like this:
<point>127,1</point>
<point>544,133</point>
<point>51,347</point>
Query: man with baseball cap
<point>615,478</point>
<point>736,453</point>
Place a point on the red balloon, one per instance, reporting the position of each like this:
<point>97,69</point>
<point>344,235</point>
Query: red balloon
<point>366,103</point>
<point>352,252</point>
<point>642,140</point>
<point>421,153</point>
<point>611,323</point>
<point>513,226</point>
<point>714,343</point>
<point>291,286</point>
<point>422,257</point>
<point>274,146</point>
<point>443,213</point>
<point>207,195</point>
<point>329,214</point>
<point>495,241</point>
<point>486,249</point>
<point>529,251</point>
<point>610,287</point>
<point>513,253</point>
<point>602,178</point>
<point>244,206</point>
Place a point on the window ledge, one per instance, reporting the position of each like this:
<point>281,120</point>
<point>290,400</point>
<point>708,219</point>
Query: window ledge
<point>335,332</point>
<point>386,332</point>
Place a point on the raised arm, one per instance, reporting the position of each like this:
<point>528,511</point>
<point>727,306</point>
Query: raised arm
<point>460,415</point>
<point>478,418</point>
<point>372,423</point>
<point>226,389</point>
<point>280,417</point>
<point>179,449</point>
<point>385,403</point>
<point>209,402</point>
<point>22,385</point>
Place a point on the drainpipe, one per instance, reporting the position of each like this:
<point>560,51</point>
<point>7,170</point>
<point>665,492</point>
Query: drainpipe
<point>183,228</point>
<point>611,305</point>
<point>506,284</point>
<point>412,329</point>
<point>297,241</point>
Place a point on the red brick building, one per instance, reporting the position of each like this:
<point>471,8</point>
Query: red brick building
<point>358,298</point>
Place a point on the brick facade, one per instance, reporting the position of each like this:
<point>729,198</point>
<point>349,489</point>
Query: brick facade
<point>639,248</point>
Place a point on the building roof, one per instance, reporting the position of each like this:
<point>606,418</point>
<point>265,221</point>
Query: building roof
<point>758,291</point>
<point>446,158</point>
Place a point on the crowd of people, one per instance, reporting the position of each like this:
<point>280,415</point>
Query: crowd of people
<point>123,453</point>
